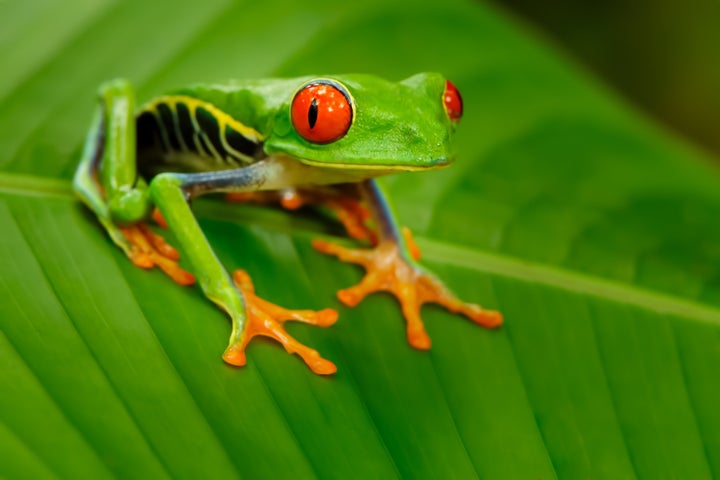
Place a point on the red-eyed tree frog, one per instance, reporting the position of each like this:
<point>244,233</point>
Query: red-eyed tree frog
<point>310,140</point>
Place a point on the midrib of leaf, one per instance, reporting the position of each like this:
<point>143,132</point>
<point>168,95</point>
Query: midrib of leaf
<point>443,252</point>
<point>568,280</point>
<point>31,185</point>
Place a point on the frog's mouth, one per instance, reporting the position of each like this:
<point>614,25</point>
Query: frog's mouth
<point>291,172</point>
<point>381,168</point>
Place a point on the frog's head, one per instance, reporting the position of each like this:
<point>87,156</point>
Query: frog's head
<point>364,122</point>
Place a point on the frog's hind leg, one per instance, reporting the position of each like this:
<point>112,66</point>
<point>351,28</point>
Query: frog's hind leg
<point>106,181</point>
<point>390,266</point>
<point>250,315</point>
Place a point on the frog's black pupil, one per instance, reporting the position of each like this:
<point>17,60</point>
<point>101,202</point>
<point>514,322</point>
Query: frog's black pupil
<point>313,112</point>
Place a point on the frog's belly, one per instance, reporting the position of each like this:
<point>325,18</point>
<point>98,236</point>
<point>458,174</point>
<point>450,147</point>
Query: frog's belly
<point>275,172</point>
<point>289,172</point>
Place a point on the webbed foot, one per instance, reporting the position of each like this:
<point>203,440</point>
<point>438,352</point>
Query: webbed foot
<point>147,249</point>
<point>387,269</point>
<point>265,318</point>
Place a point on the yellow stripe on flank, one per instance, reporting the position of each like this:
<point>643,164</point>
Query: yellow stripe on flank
<point>224,120</point>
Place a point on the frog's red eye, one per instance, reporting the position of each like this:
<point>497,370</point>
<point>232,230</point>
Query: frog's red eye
<point>452,101</point>
<point>321,112</point>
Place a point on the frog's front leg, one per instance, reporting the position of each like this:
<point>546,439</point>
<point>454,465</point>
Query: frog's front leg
<point>391,267</point>
<point>107,182</point>
<point>250,315</point>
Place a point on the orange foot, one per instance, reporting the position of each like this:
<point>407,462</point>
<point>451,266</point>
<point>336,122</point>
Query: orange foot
<point>149,249</point>
<point>387,270</point>
<point>349,211</point>
<point>353,215</point>
<point>265,318</point>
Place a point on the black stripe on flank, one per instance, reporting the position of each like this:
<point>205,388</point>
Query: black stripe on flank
<point>186,127</point>
<point>148,132</point>
<point>166,115</point>
<point>242,144</point>
<point>210,127</point>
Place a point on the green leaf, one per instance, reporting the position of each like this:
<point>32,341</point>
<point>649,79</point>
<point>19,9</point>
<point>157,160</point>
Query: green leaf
<point>594,231</point>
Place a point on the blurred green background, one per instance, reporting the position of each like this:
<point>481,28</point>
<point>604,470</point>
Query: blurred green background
<point>662,55</point>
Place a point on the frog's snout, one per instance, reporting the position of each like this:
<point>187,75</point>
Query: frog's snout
<point>441,162</point>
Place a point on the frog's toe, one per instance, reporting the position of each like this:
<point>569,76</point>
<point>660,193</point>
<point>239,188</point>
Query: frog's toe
<point>354,217</point>
<point>417,336</point>
<point>352,296</point>
<point>266,319</point>
<point>317,364</point>
<point>352,255</point>
<point>158,218</point>
<point>146,249</point>
<point>235,355</point>
<point>413,248</point>
<point>484,318</point>
<point>481,316</point>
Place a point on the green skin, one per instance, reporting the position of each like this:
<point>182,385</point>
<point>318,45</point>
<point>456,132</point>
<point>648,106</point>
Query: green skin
<point>397,126</point>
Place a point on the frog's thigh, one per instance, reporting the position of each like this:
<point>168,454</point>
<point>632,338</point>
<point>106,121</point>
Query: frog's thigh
<point>84,181</point>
